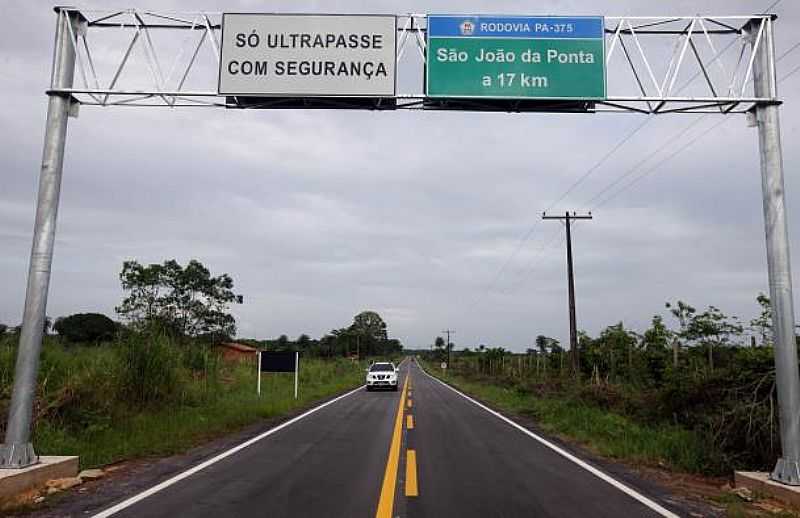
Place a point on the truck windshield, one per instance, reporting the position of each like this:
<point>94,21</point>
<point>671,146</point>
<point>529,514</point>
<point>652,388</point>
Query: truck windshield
<point>381,367</point>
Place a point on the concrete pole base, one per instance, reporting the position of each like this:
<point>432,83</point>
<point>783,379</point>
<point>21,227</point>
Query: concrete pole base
<point>787,472</point>
<point>762,484</point>
<point>17,456</point>
<point>14,482</point>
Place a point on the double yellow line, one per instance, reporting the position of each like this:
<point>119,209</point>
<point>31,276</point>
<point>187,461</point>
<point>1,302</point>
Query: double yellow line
<point>386,502</point>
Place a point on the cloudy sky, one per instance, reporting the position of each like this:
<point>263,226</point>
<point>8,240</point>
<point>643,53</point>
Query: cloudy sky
<point>318,215</point>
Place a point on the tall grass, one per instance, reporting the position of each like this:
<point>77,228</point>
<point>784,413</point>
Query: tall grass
<point>150,395</point>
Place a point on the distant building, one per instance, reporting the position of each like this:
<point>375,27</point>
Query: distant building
<point>233,352</point>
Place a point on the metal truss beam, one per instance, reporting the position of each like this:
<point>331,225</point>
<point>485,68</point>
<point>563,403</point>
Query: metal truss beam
<point>656,65</point>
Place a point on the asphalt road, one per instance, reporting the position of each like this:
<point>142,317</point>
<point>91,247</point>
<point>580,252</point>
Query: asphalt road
<point>424,451</point>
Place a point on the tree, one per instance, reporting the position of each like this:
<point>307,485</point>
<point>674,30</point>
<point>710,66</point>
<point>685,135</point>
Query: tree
<point>657,337</point>
<point>3,329</point>
<point>683,313</point>
<point>763,324</point>
<point>369,332</point>
<point>85,327</point>
<point>369,324</point>
<point>712,327</point>
<point>303,342</point>
<point>440,349</point>
<point>545,344</point>
<point>187,301</point>
<point>282,343</point>
<point>656,342</point>
<point>542,343</point>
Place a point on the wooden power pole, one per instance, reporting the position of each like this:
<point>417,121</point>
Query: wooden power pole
<point>573,329</point>
<point>448,331</point>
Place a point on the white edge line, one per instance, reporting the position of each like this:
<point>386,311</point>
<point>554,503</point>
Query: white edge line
<point>588,467</point>
<point>189,472</point>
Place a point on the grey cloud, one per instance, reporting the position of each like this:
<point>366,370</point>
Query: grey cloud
<point>318,215</point>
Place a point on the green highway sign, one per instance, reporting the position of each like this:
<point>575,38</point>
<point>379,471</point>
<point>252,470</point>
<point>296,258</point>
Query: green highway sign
<point>516,57</point>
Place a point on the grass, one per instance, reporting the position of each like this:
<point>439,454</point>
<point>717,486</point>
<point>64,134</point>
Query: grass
<point>87,404</point>
<point>605,433</point>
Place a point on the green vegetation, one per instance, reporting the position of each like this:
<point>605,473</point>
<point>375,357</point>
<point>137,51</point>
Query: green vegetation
<point>698,398</point>
<point>606,433</point>
<point>186,300</point>
<point>157,383</point>
<point>367,336</point>
<point>150,395</point>
<point>85,327</point>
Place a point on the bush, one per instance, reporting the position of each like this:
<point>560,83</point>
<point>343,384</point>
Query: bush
<point>86,327</point>
<point>149,369</point>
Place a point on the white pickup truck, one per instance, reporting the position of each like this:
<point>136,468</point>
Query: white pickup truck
<point>382,375</point>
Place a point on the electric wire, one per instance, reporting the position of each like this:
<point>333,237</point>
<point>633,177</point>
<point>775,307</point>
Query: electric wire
<point>688,144</point>
<point>658,164</point>
<point>527,235</point>
<point>600,162</point>
<point>683,131</point>
<point>641,162</point>
<point>790,74</point>
<point>774,4</point>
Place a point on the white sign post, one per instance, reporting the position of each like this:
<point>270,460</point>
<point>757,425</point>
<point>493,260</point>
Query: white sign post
<point>296,371</point>
<point>293,55</point>
<point>258,371</point>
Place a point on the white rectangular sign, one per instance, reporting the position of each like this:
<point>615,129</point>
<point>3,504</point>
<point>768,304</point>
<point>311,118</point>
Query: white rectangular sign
<point>299,55</point>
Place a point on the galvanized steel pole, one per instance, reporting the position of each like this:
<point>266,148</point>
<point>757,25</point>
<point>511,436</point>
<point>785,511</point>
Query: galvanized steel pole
<point>17,451</point>
<point>787,469</point>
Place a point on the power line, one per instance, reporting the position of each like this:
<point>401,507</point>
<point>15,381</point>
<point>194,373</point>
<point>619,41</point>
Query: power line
<point>787,52</point>
<point>644,160</point>
<point>526,236</point>
<point>790,74</point>
<point>534,261</point>
<point>661,162</point>
<point>590,171</point>
<point>601,161</point>
<point>690,142</point>
<point>693,123</point>
<point>672,139</point>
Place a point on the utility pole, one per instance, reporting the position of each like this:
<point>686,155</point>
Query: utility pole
<point>448,331</point>
<point>17,450</point>
<point>787,469</point>
<point>573,330</point>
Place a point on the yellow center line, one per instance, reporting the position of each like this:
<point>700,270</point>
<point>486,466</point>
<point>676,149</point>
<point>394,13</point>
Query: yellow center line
<point>386,502</point>
<point>411,473</point>
<point>410,422</point>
